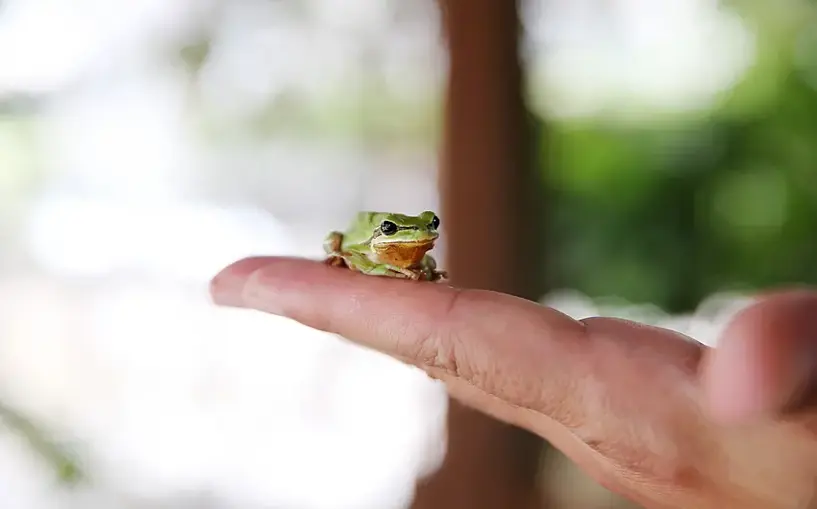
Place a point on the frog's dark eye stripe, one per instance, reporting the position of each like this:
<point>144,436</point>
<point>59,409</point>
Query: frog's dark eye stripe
<point>435,223</point>
<point>388,228</point>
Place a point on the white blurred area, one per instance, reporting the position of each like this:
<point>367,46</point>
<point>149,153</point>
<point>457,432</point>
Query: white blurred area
<point>705,325</point>
<point>128,178</point>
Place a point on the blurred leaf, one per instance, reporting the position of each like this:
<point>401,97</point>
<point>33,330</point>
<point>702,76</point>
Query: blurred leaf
<point>672,210</point>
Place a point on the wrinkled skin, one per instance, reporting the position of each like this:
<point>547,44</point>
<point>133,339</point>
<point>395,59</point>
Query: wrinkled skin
<point>660,419</point>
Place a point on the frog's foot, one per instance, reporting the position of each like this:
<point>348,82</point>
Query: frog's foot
<point>433,275</point>
<point>438,275</point>
<point>414,275</point>
<point>428,267</point>
<point>389,271</point>
<point>335,261</point>
<point>332,248</point>
<point>332,244</point>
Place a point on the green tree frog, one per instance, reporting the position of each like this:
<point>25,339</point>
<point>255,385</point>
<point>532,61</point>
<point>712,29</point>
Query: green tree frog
<point>387,244</point>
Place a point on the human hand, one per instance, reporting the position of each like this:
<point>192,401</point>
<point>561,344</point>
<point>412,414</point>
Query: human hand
<point>650,414</point>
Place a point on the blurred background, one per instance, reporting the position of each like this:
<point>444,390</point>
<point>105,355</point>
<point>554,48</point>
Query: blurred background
<point>144,145</point>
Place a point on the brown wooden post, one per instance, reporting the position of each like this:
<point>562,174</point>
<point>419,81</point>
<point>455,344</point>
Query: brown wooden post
<point>491,224</point>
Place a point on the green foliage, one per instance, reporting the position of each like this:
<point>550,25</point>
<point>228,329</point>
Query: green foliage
<point>670,213</point>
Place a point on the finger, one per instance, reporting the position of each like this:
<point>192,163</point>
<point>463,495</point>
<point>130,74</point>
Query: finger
<point>509,349</point>
<point>595,389</point>
<point>504,345</point>
<point>765,360</point>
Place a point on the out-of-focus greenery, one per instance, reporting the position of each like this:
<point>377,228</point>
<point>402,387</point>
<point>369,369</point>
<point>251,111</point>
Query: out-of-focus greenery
<point>671,212</point>
<point>666,210</point>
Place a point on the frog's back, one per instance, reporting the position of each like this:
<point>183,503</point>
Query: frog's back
<point>361,228</point>
<point>373,218</point>
<point>367,221</point>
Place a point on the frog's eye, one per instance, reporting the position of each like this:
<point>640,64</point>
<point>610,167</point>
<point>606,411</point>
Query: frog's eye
<point>388,228</point>
<point>435,223</point>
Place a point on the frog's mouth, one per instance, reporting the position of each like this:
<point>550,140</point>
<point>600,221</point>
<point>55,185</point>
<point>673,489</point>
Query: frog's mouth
<point>403,254</point>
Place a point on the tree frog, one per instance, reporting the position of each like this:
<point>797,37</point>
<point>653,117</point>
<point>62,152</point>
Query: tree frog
<point>387,244</point>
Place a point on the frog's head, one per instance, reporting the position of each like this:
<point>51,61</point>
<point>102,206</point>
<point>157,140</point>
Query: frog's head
<point>403,240</point>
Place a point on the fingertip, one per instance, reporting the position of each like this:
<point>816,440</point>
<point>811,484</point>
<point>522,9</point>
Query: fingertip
<point>241,268</point>
<point>765,359</point>
<point>732,389</point>
<point>227,286</point>
<point>241,280</point>
<point>310,291</point>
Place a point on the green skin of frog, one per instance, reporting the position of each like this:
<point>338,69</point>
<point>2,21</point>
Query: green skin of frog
<point>387,244</point>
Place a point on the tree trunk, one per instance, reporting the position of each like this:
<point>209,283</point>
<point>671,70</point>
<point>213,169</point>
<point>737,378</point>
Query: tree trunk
<point>489,190</point>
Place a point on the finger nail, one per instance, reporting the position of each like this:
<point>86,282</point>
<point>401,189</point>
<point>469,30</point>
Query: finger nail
<point>745,392</point>
<point>226,290</point>
<point>732,398</point>
<point>227,287</point>
<point>739,383</point>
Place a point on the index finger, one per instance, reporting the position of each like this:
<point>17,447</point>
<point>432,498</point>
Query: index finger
<point>620,386</point>
<point>445,330</point>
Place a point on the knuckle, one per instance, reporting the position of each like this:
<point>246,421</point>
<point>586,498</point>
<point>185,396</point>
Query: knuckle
<point>443,347</point>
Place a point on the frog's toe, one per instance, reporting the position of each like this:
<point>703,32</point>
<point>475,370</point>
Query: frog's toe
<point>335,261</point>
<point>439,275</point>
<point>332,243</point>
<point>414,275</point>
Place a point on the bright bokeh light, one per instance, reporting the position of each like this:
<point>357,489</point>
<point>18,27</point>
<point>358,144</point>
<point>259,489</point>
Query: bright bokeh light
<point>635,57</point>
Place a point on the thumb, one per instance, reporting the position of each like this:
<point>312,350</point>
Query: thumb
<point>766,360</point>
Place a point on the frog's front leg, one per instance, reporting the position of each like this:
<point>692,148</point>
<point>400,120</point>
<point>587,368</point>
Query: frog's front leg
<point>332,247</point>
<point>366,265</point>
<point>429,267</point>
<point>332,243</point>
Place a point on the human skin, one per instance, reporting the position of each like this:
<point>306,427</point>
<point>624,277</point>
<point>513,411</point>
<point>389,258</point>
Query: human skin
<point>647,412</point>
